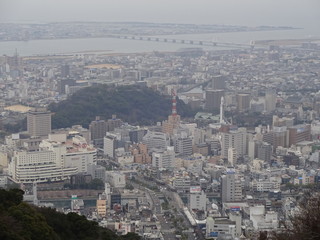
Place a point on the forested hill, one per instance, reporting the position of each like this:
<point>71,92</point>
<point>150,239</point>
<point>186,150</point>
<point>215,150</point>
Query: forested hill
<point>133,104</point>
<point>21,221</point>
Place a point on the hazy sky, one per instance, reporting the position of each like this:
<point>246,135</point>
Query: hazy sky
<point>300,13</point>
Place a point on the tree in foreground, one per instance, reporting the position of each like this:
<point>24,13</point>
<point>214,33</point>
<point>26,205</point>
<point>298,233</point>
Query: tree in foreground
<point>21,221</point>
<point>305,224</point>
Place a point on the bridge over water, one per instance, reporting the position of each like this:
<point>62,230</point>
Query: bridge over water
<point>185,41</point>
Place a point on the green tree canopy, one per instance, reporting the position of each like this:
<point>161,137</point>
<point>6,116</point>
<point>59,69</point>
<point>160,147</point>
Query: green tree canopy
<point>133,104</point>
<point>21,221</point>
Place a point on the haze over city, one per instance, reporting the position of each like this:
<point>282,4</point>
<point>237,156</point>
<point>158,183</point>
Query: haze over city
<point>159,120</point>
<point>231,12</point>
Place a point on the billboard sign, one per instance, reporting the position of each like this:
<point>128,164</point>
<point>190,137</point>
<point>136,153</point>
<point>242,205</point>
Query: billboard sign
<point>235,208</point>
<point>195,189</point>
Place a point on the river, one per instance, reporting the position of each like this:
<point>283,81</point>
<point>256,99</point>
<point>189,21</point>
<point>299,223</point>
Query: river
<point>112,45</point>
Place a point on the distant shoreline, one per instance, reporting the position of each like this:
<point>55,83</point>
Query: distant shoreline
<point>60,48</point>
<point>286,42</point>
<point>228,29</point>
<point>97,52</point>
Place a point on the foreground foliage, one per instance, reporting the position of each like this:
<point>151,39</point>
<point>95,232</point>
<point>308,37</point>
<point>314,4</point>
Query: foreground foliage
<point>21,221</point>
<point>303,225</point>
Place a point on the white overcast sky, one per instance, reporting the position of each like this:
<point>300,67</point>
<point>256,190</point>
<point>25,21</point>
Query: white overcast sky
<point>300,13</point>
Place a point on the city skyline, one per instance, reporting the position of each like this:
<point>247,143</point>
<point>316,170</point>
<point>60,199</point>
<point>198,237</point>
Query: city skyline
<point>159,120</point>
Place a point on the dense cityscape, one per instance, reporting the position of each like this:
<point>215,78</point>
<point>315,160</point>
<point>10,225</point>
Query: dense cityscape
<point>233,165</point>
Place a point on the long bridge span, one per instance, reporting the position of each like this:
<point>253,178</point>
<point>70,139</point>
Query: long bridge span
<point>185,41</point>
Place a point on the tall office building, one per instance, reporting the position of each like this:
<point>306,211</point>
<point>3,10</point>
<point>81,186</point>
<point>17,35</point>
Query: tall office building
<point>243,101</point>
<point>156,140</point>
<point>264,151</point>
<point>110,143</point>
<point>232,156</point>
<point>197,199</point>
<point>39,122</point>
<point>219,82</point>
<point>140,153</point>
<point>164,159</point>
<point>231,190</point>
<point>299,133</point>
<point>98,128</point>
<point>136,135</point>
<point>63,83</point>
<point>257,104</point>
<point>252,149</point>
<point>222,120</point>
<point>271,100</point>
<point>101,206</point>
<point>279,136</point>
<point>234,139</point>
<point>213,100</point>
<point>113,123</point>
<point>65,70</point>
<point>183,146</point>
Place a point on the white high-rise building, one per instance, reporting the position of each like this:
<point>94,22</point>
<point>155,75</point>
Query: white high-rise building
<point>110,144</point>
<point>77,153</point>
<point>164,159</point>
<point>156,140</point>
<point>80,159</point>
<point>252,149</point>
<point>271,100</point>
<point>232,156</point>
<point>199,136</point>
<point>222,111</point>
<point>234,139</point>
<point>231,189</point>
<point>42,166</point>
<point>55,161</point>
<point>198,200</point>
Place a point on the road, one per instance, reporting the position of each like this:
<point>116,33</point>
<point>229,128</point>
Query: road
<point>176,206</point>
<point>155,205</point>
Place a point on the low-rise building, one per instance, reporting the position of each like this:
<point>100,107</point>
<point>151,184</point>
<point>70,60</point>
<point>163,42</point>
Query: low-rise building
<point>116,179</point>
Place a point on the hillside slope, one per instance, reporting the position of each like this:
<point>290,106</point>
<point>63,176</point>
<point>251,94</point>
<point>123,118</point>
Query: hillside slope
<point>21,221</point>
<point>133,104</point>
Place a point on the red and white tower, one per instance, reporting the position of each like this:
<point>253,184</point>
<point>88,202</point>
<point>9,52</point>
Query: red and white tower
<point>173,121</point>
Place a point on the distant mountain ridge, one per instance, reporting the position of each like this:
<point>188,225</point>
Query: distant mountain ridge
<point>133,104</point>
